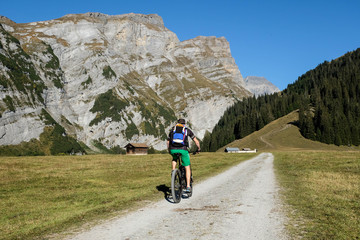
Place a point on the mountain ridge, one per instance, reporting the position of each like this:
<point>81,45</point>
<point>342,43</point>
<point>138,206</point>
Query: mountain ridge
<point>148,77</point>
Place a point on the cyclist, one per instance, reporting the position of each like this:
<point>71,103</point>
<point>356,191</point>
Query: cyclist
<point>178,143</point>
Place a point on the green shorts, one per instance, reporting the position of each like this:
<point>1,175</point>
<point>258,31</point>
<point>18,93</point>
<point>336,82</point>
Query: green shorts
<point>185,157</point>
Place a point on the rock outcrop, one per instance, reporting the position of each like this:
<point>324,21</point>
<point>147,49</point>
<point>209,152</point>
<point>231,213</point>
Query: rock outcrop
<point>111,79</point>
<point>260,86</point>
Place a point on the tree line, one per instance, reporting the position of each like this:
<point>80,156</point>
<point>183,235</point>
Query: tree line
<point>327,97</point>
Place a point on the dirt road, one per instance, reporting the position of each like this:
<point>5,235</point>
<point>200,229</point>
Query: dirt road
<point>241,203</point>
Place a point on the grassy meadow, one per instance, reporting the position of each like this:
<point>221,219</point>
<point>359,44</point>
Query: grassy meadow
<point>40,196</point>
<point>322,191</point>
<point>43,196</point>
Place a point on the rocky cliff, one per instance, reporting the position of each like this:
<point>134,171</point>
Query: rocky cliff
<point>111,79</point>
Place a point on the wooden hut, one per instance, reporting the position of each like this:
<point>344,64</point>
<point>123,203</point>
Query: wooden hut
<point>137,149</point>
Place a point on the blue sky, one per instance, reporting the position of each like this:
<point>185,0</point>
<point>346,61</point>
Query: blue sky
<point>279,39</point>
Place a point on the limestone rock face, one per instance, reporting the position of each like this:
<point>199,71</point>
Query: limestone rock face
<point>260,85</point>
<point>111,79</point>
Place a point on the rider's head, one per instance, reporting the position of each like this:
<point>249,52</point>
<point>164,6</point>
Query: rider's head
<point>181,121</point>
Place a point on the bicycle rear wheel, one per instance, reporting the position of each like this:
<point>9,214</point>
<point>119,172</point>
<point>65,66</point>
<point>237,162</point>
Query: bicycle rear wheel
<point>176,188</point>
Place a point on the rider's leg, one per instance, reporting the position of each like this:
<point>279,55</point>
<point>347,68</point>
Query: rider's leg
<point>173,165</point>
<point>185,157</point>
<point>188,175</point>
<point>174,160</point>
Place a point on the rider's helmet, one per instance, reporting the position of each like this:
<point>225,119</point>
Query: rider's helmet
<point>181,121</point>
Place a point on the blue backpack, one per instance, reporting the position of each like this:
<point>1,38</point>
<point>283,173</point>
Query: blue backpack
<point>179,135</point>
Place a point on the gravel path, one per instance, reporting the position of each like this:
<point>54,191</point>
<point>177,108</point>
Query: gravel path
<point>241,203</point>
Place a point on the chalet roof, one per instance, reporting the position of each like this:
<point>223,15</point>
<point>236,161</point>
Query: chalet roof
<point>138,145</point>
<point>229,149</point>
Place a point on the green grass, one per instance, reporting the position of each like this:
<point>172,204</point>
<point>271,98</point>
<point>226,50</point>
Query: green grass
<point>40,196</point>
<point>50,194</point>
<point>322,190</point>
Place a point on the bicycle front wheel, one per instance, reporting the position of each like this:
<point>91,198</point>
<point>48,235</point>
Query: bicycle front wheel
<point>176,188</point>
<point>191,185</point>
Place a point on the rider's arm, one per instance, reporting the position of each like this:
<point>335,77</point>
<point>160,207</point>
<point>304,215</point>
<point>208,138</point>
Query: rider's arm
<point>197,143</point>
<point>192,136</point>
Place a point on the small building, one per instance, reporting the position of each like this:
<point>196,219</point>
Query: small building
<point>237,150</point>
<point>248,150</point>
<point>136,149</point>
<point>232,150</point>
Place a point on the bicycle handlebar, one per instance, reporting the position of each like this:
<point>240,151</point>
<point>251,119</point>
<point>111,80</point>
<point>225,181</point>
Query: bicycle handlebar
<point>196,152</point>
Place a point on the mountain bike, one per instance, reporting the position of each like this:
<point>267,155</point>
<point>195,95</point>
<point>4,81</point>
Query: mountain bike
<point>178,181</point>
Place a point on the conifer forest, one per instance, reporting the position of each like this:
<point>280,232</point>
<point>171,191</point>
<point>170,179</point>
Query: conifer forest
<point>327,97</point>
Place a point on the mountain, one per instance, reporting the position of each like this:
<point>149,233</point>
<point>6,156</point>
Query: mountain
<point>327,97</point>
<point>260,86</point>
<point>107,80</point>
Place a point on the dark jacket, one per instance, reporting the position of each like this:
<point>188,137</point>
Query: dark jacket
<point>189,133</point>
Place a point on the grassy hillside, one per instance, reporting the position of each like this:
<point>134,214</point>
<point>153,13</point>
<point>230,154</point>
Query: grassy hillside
<point>283,135</point>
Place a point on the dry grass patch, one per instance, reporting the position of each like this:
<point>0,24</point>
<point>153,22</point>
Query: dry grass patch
<point>322,190</point>
<point>335,183</point>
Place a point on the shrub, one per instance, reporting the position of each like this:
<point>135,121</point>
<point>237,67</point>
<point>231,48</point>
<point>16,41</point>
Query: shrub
<point>9,103</point>
<point>107,105</point>
<point>131,130</point>
<point>108,73</point>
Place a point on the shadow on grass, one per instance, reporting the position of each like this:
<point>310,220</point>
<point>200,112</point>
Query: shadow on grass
<point>166,190</point>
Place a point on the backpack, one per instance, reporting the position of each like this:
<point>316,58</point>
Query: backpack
<point>179,135</point>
